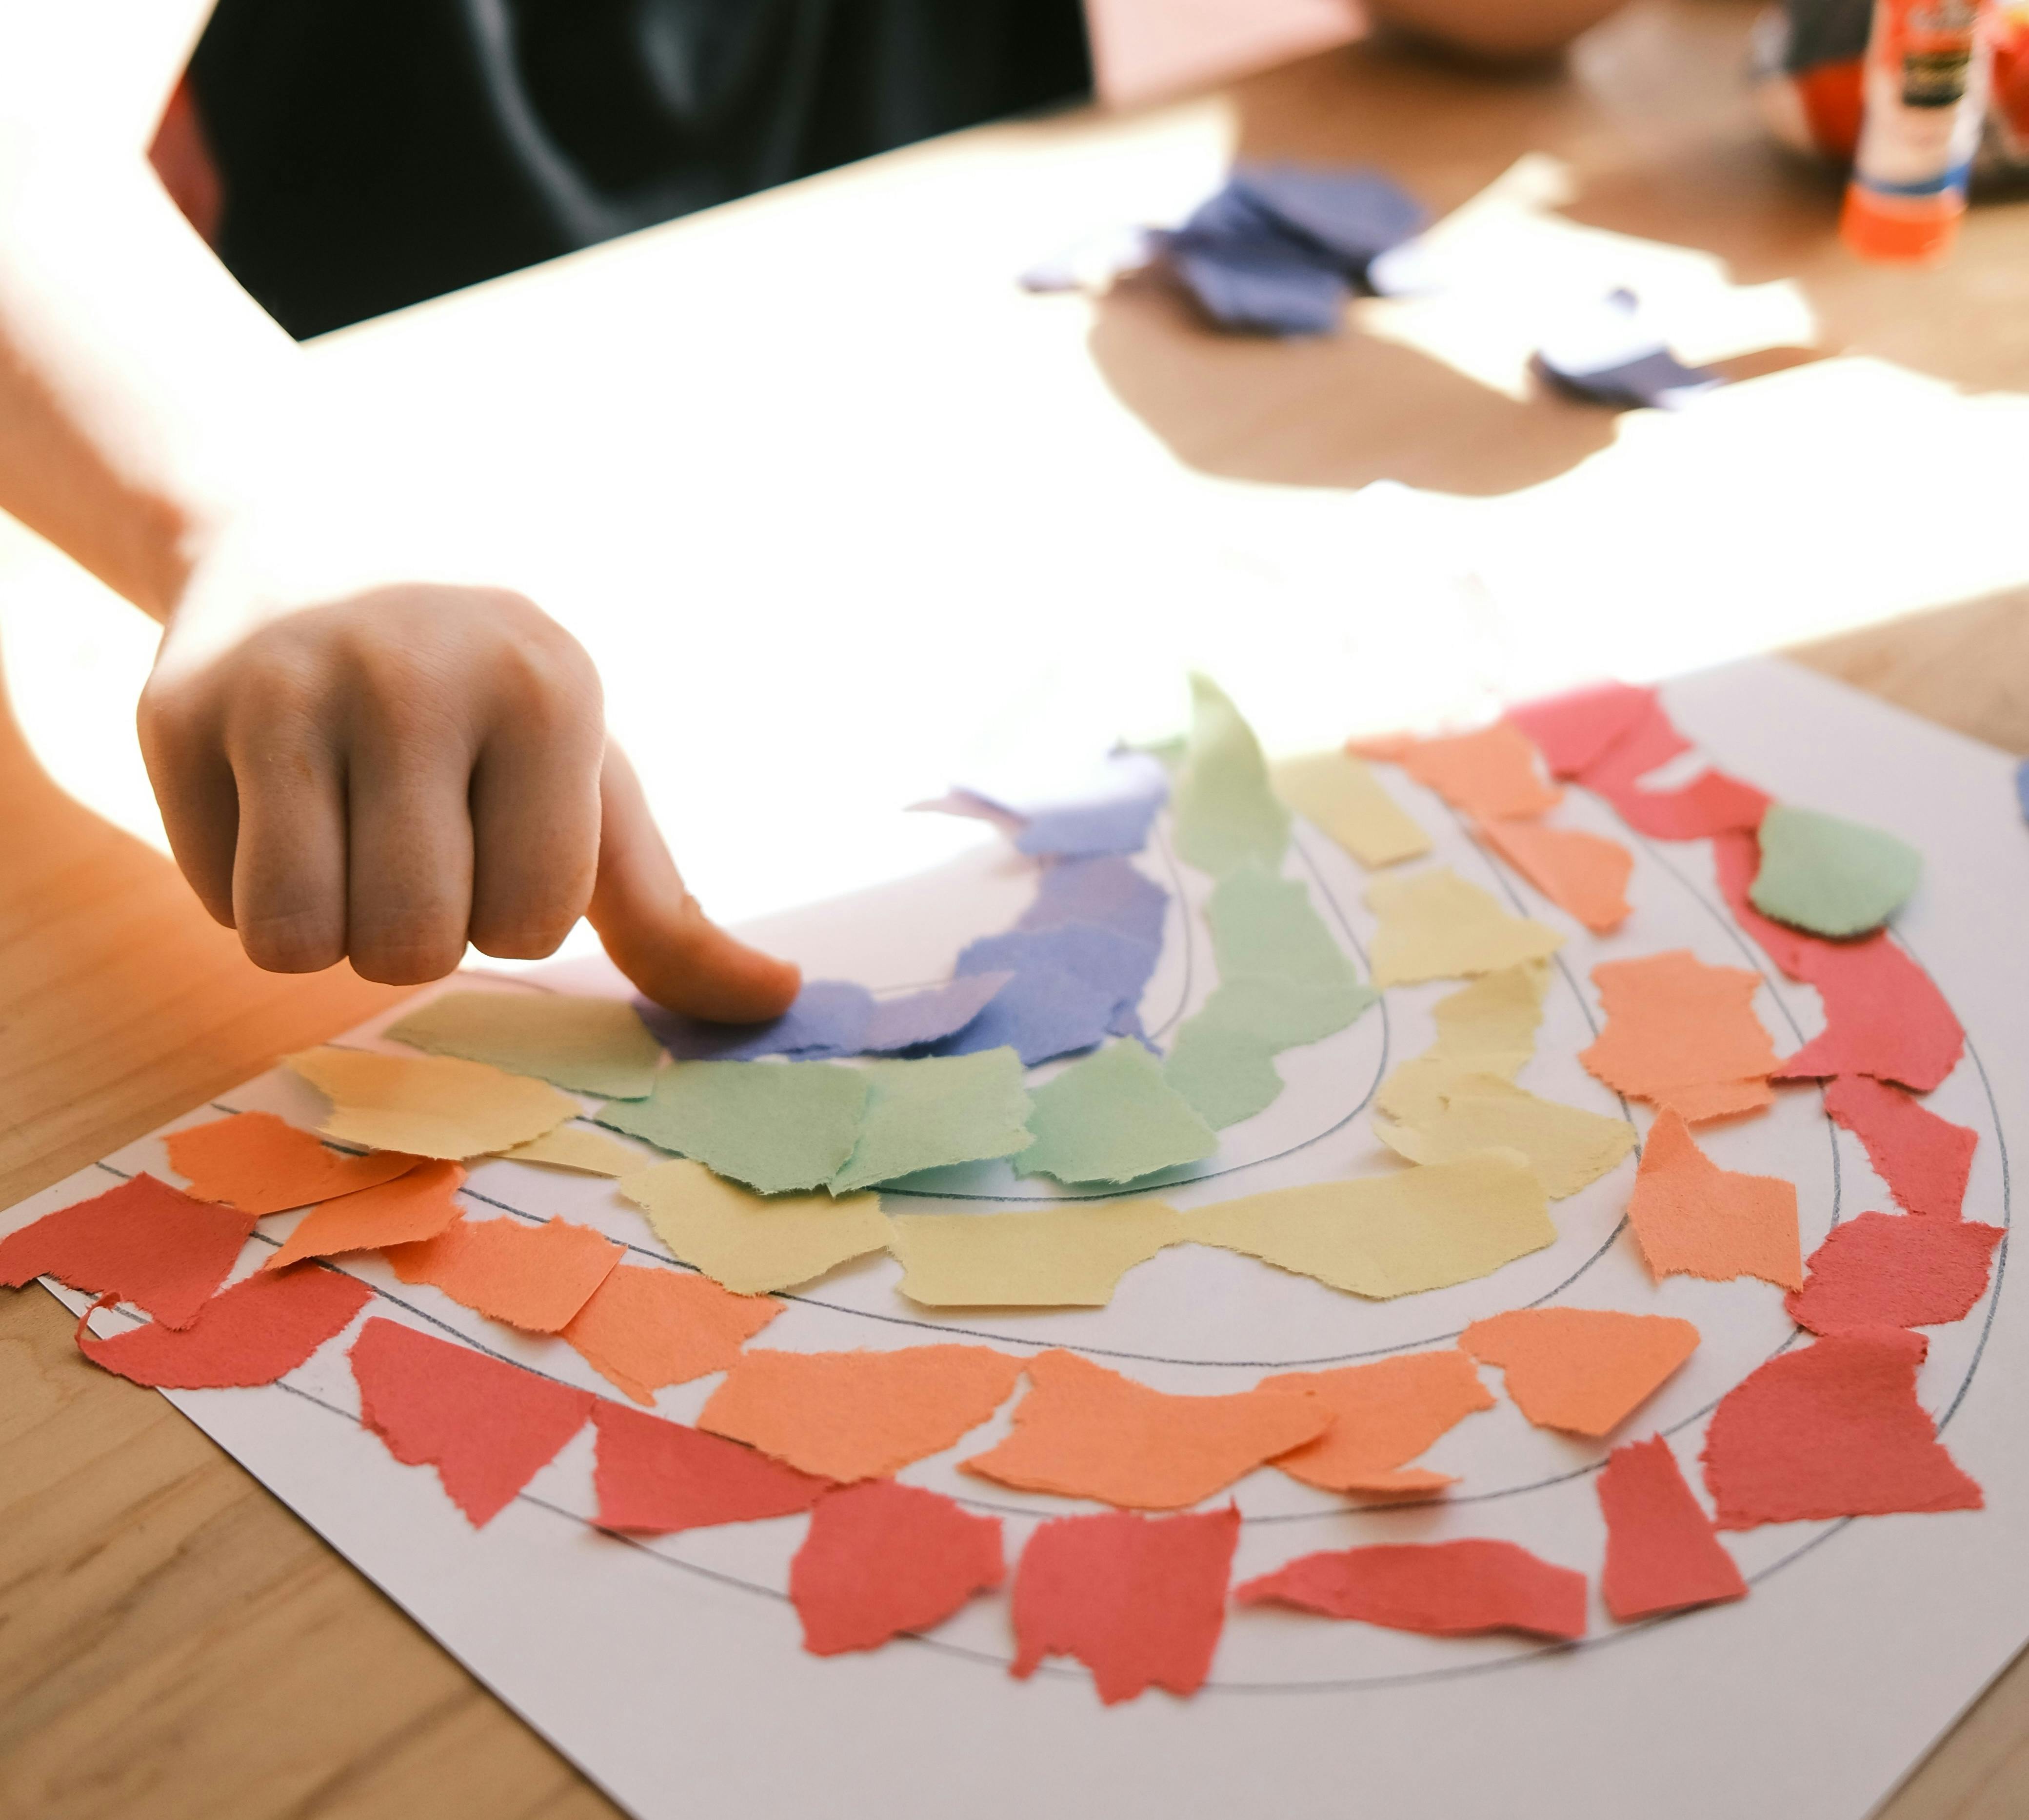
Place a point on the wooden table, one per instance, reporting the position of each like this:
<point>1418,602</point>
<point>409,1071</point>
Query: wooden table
<point>173,1641</point>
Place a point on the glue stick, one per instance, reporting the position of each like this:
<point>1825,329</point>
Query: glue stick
<point>1924,85</point>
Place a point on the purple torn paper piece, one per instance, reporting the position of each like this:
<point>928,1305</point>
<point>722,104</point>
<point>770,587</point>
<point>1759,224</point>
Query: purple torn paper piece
<point>976,807</point>
<point>1105,890</point>
<point>1043,1011</point>
<point>930,1016</point>
<point>1103,957</point>
<point>829,1018</point>
<point>1352,213</point>
<point>1266,286</point>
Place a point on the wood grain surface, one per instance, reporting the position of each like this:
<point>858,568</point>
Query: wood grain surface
<point>173,1642</point>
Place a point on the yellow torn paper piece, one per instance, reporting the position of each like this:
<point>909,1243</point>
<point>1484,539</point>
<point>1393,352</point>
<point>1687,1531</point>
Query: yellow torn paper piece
<point>573,1147</point>
<point>1340,796</point>
<point>1054,1257</point>
<point>1487,1028</point>
<point>1425,1227</point>
<point>751,1243</point>
<point>1566,1146</point>
<point>1435,926</point>
<point>429,1106</point>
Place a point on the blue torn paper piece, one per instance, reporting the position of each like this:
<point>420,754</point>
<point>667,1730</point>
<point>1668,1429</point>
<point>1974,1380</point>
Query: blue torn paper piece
<point>1111,815</point>
<point>1266,286</point>
<point>1105,890</point>
<point>827,1018</point>
<point>2022,787</point>
<point>1605,354</point>
<point>1100,956</point>
<point>1355,214</point>
<point>1045,1011</point>
<point>929,1016</point>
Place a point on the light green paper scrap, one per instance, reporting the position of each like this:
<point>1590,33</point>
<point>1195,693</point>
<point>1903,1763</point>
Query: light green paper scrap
<point>1224,812</point>
<point>1223,1060</point>
<point>592,1046</point>
<point>924,1114</point>
<point>1832,877</point>
<point>776,1126</point>
<point>1112,1118</point>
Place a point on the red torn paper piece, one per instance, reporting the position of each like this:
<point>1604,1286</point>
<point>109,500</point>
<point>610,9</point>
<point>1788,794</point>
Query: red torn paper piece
<point>1585,874</point>
<point>1711,804</point>
<point>659,1476</point>
<point>1440,1588</point>
<point>487,1426</point>
<point>1926,1161</point>
<point>412,1207</point>
<point>1692,1218</point>
<point>263,1165</point>
<point>143,1242</point>
<point>1491,772</point>
<point>1683,1034</point>
<point>881,1559</point>
<point>1661,1552</point>
<point>1832,1430</point>
<point>533,1277</point>
<point>250,1334</point>
<point>1892,1270</point>
<point>1139,1600</point>
<point>644,1328</point>
<point>1574,732</point>
<point>1583,1370</point>
<point>1884,1015</point>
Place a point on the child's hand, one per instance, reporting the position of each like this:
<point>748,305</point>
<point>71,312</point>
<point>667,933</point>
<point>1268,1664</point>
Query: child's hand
<point>390,775</point>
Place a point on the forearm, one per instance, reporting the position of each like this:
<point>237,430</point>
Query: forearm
<point>1496,28</point>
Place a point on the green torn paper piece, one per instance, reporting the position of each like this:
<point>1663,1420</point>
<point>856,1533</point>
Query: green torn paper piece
<point>1264,927</point>
<point>776,1126</point>
<point>1224,812</point>
<point>921,1114</point>
<point>593,1045</point>
<point>1113,1118</point>
<point>1832,877</point>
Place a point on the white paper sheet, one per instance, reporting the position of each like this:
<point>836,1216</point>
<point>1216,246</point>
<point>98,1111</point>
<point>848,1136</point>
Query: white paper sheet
<point>670,1670</point>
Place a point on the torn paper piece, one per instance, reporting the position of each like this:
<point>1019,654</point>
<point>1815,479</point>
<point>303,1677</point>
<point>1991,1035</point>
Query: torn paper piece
<point>748,1244</point>
<point>412,1207</point>
<point>1383,1415</point>
<point>1344,800</point>
<point>1050,1258</point>
<point>916,1019</point>
<point>432,1106</point>
<point>1683,1034</point>
<point>1039,1013</point>
<point>591,1046</point>
<point>860,1415</point>
<point>533,1277</point>
<point>1106,891</point>
<point>924,1114</point>
<point>1223,1059</point>
<point>1662,1554</point>
<point>1112,1118</point>
<point>1585,875</point>
<point>1226,813</point>
<point>1110,813</point>
<point>1440,1588</point>
<point>1584,1370</point>
<point>1435,926</point>
<point>1490,773</point>
<point>1261,287</point>
<point>1425,1227</point>
<point>144,1241</point>
<point>1085,1432</point>
<point>250,1334</point>
<point>1711,804</point>
<point>777,1126</point>
<point>1574,732</point>
<point>1264,926</point>
<point>643,1328</point>
<point>487,1426</point>
<point>1832,1429</point>
<point>1486,1029</point>
<point>1566,1146</point>
<point>261,1164</point>
<point>1691,1218</point>
<point>573,1147</point>
<point>1884,1016</point>
<point>1600,349</point>
<point>1926,1161</point>
<point>1892,1270</point>
<point>882,1558</point>
<point>827,1018</point>
<point>1140,1601</point>
<point>653,1477</point>
<point>1832,877</point>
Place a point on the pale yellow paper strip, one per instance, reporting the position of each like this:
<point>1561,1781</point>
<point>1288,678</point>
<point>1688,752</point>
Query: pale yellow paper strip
<point>1338,795</point>
<point>1054,1257</point>
<point>1487,1028</point>
<point>589,1152</point>
<point>1566,1146</point>
<point>429,1106</point>
<point>1425,1227</point>
<point>1435,926</point>
<point>751,1243</point>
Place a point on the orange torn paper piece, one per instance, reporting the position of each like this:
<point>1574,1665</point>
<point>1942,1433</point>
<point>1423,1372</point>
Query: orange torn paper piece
<point>260,1165</point>
<point>643,1328</point>
<point>1085,1432</point>
<point>1583,1370</point>
<point>432,1105</point>
<point>1585,874</point>
<point>410,1207</point>
<point>1684,1035</point>
<point>1492,772</point>
<point>533,1277</point>
<point>860,1415</point>
<point>1383,1415</point>
<point>1691,1218</point>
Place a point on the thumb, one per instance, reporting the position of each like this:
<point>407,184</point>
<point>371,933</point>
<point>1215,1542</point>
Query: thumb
<point>657,933</point>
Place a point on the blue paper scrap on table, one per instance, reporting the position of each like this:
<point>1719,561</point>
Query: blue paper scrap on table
<point>831,1018</point>
<point>2022,787</point>
<point>1112,815</point>
<point>1605,354</point>
<point>1106,891</point>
